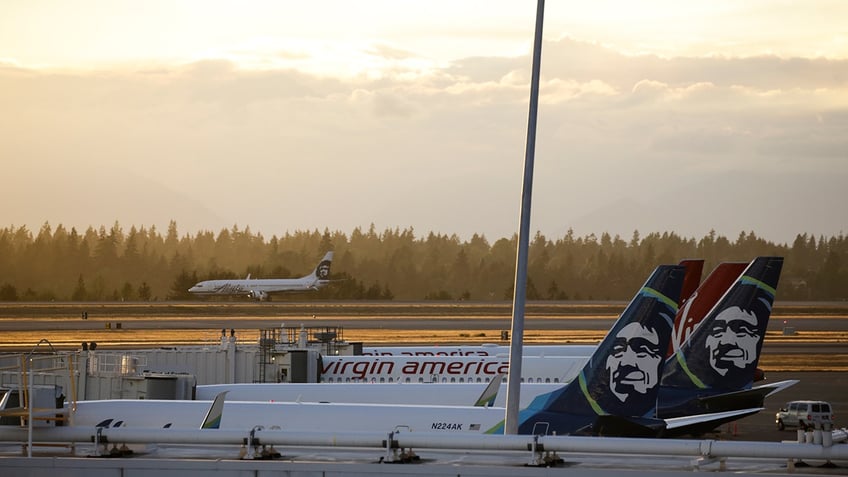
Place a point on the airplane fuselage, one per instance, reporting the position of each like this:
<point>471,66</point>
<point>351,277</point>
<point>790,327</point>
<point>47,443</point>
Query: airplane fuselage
<point>243,415</point>
<point>245,286</point>
<point>446,369</point>
<point>374,393</point>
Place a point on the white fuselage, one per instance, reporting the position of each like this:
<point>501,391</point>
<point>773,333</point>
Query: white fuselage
<point>374,393</point>
<point>242,415</point>
<point>446,369</point>
<point>264,285</point>
<point>488,349</point>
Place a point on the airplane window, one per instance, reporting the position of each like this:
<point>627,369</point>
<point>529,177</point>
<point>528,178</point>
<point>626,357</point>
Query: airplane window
<point>347,380</point>
<point>444,380</point>
<point>382,380</point>
<point>556,380</point>
<point>547,380</point>
<point>407,380</point>
<point>522,380</point>
<point>420,380</point>
<point>487,380</point>
<point>391,380</point>
<point>462,380</point>
<point>453,380</point>
<point>373,380</point>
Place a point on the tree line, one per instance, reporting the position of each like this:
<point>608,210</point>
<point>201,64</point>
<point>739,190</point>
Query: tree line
<point>143,264</point>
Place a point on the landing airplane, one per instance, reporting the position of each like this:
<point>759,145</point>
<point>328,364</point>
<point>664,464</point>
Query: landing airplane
<point>615,394</point>
<point>261,288</point>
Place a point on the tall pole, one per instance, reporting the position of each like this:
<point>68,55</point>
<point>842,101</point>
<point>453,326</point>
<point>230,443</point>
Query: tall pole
<point>520,297</point>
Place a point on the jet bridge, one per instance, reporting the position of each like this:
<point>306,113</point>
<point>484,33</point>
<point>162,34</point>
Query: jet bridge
<point>293,354</point>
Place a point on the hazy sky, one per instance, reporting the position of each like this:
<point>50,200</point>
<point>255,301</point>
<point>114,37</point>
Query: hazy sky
<point>283,116</point>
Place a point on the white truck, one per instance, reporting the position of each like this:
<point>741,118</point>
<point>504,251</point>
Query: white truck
<point>804,415</point>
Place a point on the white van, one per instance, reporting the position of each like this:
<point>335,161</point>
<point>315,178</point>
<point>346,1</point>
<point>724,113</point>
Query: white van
<point>804,415</point>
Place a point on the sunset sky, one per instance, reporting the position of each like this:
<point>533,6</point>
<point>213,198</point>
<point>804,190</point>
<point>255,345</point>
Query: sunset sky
<point>282,116</point>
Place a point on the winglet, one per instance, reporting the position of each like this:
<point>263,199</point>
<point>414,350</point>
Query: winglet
<point>215,412</point>
<point>487,399</point>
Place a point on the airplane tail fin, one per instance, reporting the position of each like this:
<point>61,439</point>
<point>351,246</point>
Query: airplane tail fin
<point>212,420</point>
<point>724,350</point>
<point>622,376</point>
<point>321,274</point>
<point>694,269</point>
<point>699,301</point>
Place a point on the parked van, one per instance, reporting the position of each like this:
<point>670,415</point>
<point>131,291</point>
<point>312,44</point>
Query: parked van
<point>804,415</point>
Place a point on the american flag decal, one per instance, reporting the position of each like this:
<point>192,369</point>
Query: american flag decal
<point>475,427</point>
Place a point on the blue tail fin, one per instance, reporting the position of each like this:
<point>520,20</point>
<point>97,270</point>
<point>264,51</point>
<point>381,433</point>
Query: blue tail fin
<point>622,376</point>
<point>722,353</point>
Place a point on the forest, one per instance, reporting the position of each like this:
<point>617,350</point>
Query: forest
<point>143,264</point>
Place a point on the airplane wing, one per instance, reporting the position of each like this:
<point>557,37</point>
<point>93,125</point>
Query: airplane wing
<point>701,423</point>
<point>622,426</point>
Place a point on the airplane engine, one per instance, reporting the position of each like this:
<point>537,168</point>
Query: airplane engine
<point>258,295</point>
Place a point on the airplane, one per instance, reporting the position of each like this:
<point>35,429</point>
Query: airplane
<point>714,370</point>
<point>261,288</point>
<point>615,394</point>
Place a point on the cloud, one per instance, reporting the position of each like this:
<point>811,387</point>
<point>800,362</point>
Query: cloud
<point>436,149</point>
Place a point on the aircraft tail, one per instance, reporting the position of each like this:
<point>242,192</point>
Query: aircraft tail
<point>694,269</point>
<point>321,274</point>
<point>621,378</point>
<point>724,350</point>
<point>701,300</point>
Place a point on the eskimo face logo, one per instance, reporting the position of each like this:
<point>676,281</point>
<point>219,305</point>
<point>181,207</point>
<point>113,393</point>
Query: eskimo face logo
<point>733,340</point>
<point>323,270</point>
<point>634,365</point>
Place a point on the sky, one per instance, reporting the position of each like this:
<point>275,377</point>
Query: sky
<point>282,116</point>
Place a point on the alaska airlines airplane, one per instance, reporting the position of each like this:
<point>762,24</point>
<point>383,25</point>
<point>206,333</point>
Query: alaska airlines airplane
<point>614,394</point>
<point>261,288</point>
<point>715,368</point>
